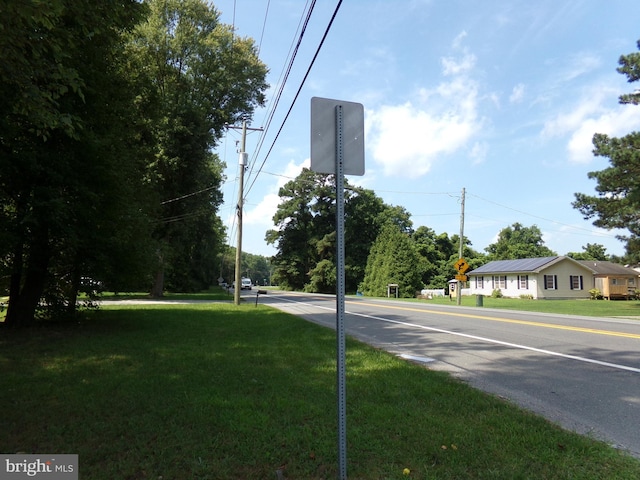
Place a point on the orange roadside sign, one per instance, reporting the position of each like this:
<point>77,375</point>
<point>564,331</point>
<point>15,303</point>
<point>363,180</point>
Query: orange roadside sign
<point>461,265</point>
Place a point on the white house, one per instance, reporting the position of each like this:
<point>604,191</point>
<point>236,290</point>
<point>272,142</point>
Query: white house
<point>556,277</point>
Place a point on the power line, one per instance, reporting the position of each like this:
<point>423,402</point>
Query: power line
<point>535,216</point>
<point>273,105</point>
<point>189,195</point>
<point>264,25</point>
<point>297,93</point>
<point>284,76</point>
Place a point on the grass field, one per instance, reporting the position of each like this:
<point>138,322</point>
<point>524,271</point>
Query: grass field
<point>589,308</point>
<point>215,391</point>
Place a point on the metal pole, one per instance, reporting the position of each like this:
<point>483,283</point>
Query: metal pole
<point>243,164</point>
<point>460,251</point>
<point>340,293</point>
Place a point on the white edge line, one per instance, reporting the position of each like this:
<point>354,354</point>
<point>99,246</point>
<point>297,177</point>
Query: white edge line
<point>484,339</point>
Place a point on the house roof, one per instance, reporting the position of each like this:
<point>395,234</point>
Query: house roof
<point>608,268</point>
<point>523,265</point>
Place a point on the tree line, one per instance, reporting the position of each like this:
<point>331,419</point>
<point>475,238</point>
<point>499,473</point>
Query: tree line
<point>382,247</point>
<point>108,115</point>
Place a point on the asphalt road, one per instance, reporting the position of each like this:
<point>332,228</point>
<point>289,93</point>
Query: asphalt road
<point>580,372</point>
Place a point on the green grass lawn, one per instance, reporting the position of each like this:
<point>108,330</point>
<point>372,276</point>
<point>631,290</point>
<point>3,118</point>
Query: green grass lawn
<point>223,392</point>
<point>591,308</point>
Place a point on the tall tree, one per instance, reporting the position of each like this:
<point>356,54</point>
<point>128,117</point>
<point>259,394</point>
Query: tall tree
<point>64,103</point>
<point>204,78</point>
<point>617,203</point>
<point>591,251</point>
<point>365,215</point>
<point>517,241</point>
<point>297,229</point>
<point>393,260</point>
<point>433,251</point>
<point>305,232</point>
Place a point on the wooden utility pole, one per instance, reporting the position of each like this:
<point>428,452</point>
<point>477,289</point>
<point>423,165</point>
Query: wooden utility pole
<point>460,250</point>
<point>243,165</point>
<point>243,156</point>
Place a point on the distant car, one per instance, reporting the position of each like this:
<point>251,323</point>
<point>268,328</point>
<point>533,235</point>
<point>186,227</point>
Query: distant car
<point>245,283</point>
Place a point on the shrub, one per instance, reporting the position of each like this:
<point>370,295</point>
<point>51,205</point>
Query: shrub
<point>595,294</point>
<point>526,296</point>
<point>497,293</point>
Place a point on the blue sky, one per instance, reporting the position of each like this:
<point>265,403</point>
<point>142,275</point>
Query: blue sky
<point>501,98</point>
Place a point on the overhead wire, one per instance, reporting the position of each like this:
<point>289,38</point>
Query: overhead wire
<point>282,80</point>
<point>264,26</point>
<point>315,56</point>
<point>538,217</point>
<point>273,104</point>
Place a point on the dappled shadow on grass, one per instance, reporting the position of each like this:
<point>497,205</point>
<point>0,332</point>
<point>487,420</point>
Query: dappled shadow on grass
<point>179,392</point>
<point>239,392</point>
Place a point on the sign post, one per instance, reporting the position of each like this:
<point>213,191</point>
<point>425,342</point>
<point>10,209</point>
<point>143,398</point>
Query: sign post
<point>462,267</point>
<point>337,147</point>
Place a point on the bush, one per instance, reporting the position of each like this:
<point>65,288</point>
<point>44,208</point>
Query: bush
<point>526,296</point>
<point>595,294</point>
<point>497,293</point>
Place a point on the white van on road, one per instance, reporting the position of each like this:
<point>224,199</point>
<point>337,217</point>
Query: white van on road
<point>245,284</point>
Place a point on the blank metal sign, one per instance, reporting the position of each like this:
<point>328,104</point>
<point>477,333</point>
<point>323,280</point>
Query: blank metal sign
<point>323,136</point>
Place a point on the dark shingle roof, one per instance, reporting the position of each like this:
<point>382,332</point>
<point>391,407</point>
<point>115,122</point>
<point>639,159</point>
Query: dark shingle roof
<point>513,266</point>
<point>607,268</point>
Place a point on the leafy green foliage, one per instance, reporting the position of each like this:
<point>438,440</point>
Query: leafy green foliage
<point>199,79</point>
<point>518,241</point>
<point>69,169</point>
<point>392,260</point>
<point>305,232</point>
<point>108,113</point>
<point>592,251</point>
<point>255,267</point>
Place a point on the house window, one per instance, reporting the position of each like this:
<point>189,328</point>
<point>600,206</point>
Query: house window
<point>479,282</point>
<point>575,282</point>
<point>550,282</point>
<point>523,282</point>
<point>499,281</point>
<point>632,282</point>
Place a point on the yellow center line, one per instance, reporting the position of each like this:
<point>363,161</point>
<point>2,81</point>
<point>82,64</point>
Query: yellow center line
<point>508,320</point>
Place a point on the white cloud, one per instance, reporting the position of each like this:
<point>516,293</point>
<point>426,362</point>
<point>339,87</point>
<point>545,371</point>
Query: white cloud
<point>457,42</point>
<point>517,94</point>
<point>616,122</point>
<point>406,139</point>
<point>588,117</point>
<point>457,66</point>
<point>580,64</point>
<point>479,152</point>
<point>263,212</point>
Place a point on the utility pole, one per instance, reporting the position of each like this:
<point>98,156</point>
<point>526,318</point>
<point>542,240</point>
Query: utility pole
<point>460,251</point>
<point>243,165</point>
<point>243,156</point>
